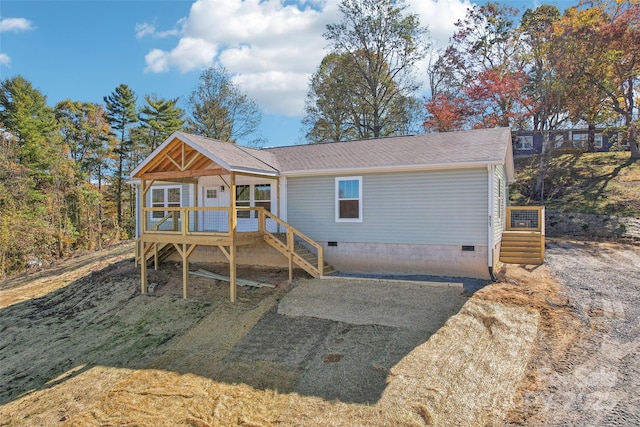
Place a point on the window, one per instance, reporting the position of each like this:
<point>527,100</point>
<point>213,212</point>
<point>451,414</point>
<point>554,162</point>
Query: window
<point>500,198</point>
<point>349,199</point>
<point>525,142</point>
<point>579,140</point>
<point>622,140</point>
<point>262,196</point>
<point>558,140</point>
<point>597,142</point>
<point>243,198</point>
<point>212,193</point>
<point>164,197</point>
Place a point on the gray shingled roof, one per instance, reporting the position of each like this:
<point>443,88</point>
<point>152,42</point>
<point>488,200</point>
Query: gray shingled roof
<point>473,147</point>
<point>232,156</point>
<point>464,147</point>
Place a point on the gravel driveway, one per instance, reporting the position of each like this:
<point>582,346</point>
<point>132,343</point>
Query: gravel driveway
<point>599,384</point>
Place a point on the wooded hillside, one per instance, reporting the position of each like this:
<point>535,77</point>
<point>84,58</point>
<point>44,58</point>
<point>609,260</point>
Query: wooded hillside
<point>592,183</point>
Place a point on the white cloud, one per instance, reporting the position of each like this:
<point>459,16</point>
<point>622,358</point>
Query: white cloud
<point>277,92</point>
<point>440,16</point>
<point>189,54</point>
<point>271,48</point>
<point>146,29</point>
<point>4,59</point>
<point>16,25</point>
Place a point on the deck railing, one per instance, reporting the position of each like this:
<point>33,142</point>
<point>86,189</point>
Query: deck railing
<point>214,221</point>
<point>525,218</point>
<point>269,222</point>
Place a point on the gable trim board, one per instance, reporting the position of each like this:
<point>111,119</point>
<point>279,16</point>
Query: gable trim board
<point>432,195</point>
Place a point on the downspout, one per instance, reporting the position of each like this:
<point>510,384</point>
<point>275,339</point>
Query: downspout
<point>490,175</point>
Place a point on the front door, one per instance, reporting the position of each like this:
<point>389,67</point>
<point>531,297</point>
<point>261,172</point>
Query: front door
<point>214,197</point>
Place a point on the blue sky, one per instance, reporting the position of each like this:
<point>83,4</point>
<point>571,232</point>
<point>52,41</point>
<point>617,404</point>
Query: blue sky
<point>83,49</point>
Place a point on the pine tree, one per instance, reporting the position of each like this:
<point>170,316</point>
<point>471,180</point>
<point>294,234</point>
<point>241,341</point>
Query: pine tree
<point>121,114</point>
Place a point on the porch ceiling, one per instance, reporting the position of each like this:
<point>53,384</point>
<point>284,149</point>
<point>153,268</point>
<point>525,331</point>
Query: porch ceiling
<point>179,160</point>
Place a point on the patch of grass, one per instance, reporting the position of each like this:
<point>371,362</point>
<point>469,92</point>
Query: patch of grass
<point>593,183</point>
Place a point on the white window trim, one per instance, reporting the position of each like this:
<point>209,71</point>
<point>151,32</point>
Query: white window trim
<point>165,189</point>
<point>598,140</point>
<point>337,199</point>
<point>252,193</point>
<point>500,199</point>
<point>579,140</point>
<point>524,142</point>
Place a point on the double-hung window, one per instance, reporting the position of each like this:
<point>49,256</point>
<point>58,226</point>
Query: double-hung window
<point>261,198</point>
<point>597,140</point>
<point>243,199</point>
<point>525,142</point>
<point>349,199</point>
<point>164,197</point>
<point>580,140</point>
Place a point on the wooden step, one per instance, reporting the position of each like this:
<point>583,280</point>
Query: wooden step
<point>522,247</point>
<point>516,254</point>
<point>513,241</point>
<point>302,257</point>
<point>528,261</point>
<point>164,251</point>
<point>328,271</point>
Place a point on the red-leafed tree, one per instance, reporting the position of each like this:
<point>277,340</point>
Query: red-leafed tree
<point>445,113</point>
<point>497,98</point>
<point>479,76</point>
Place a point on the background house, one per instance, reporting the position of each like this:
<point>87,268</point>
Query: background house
<point>527,143</point>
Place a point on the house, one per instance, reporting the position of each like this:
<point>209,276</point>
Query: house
<point>527,142</point>
<point>420,204</point>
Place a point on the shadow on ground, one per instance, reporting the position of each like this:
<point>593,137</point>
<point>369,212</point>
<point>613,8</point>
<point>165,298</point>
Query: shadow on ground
<point>102,320</point>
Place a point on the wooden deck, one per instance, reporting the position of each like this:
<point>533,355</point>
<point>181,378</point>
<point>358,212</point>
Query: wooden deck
<point>183,229</point>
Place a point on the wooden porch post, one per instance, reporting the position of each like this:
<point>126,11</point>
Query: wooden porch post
<point>185,271</point>
<point>155,256</point>
<point>143,225</point>
<point>290,247</point>
<point>233,222</point>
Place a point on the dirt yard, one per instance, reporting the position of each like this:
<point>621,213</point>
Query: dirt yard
<point>80,346</point>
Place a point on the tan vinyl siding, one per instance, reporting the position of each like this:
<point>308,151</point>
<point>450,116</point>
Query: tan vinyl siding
<point>499,204</point>
<point>446,207</point>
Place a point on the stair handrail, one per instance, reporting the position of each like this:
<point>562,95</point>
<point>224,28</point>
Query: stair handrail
<point>263,214</point>
<point>171,213</point>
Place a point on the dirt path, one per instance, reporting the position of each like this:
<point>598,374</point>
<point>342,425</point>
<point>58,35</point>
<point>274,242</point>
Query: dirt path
<point>598,380</point>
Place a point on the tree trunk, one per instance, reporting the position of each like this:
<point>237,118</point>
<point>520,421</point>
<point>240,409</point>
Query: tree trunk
<point>591,138</point>
<point>632,135</point>
<point>543,167</point>
<point>119,189</point>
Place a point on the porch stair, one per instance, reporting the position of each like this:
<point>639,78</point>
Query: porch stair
<point>302,257</point>
<point>164,251</point>
<point>522,247</point>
